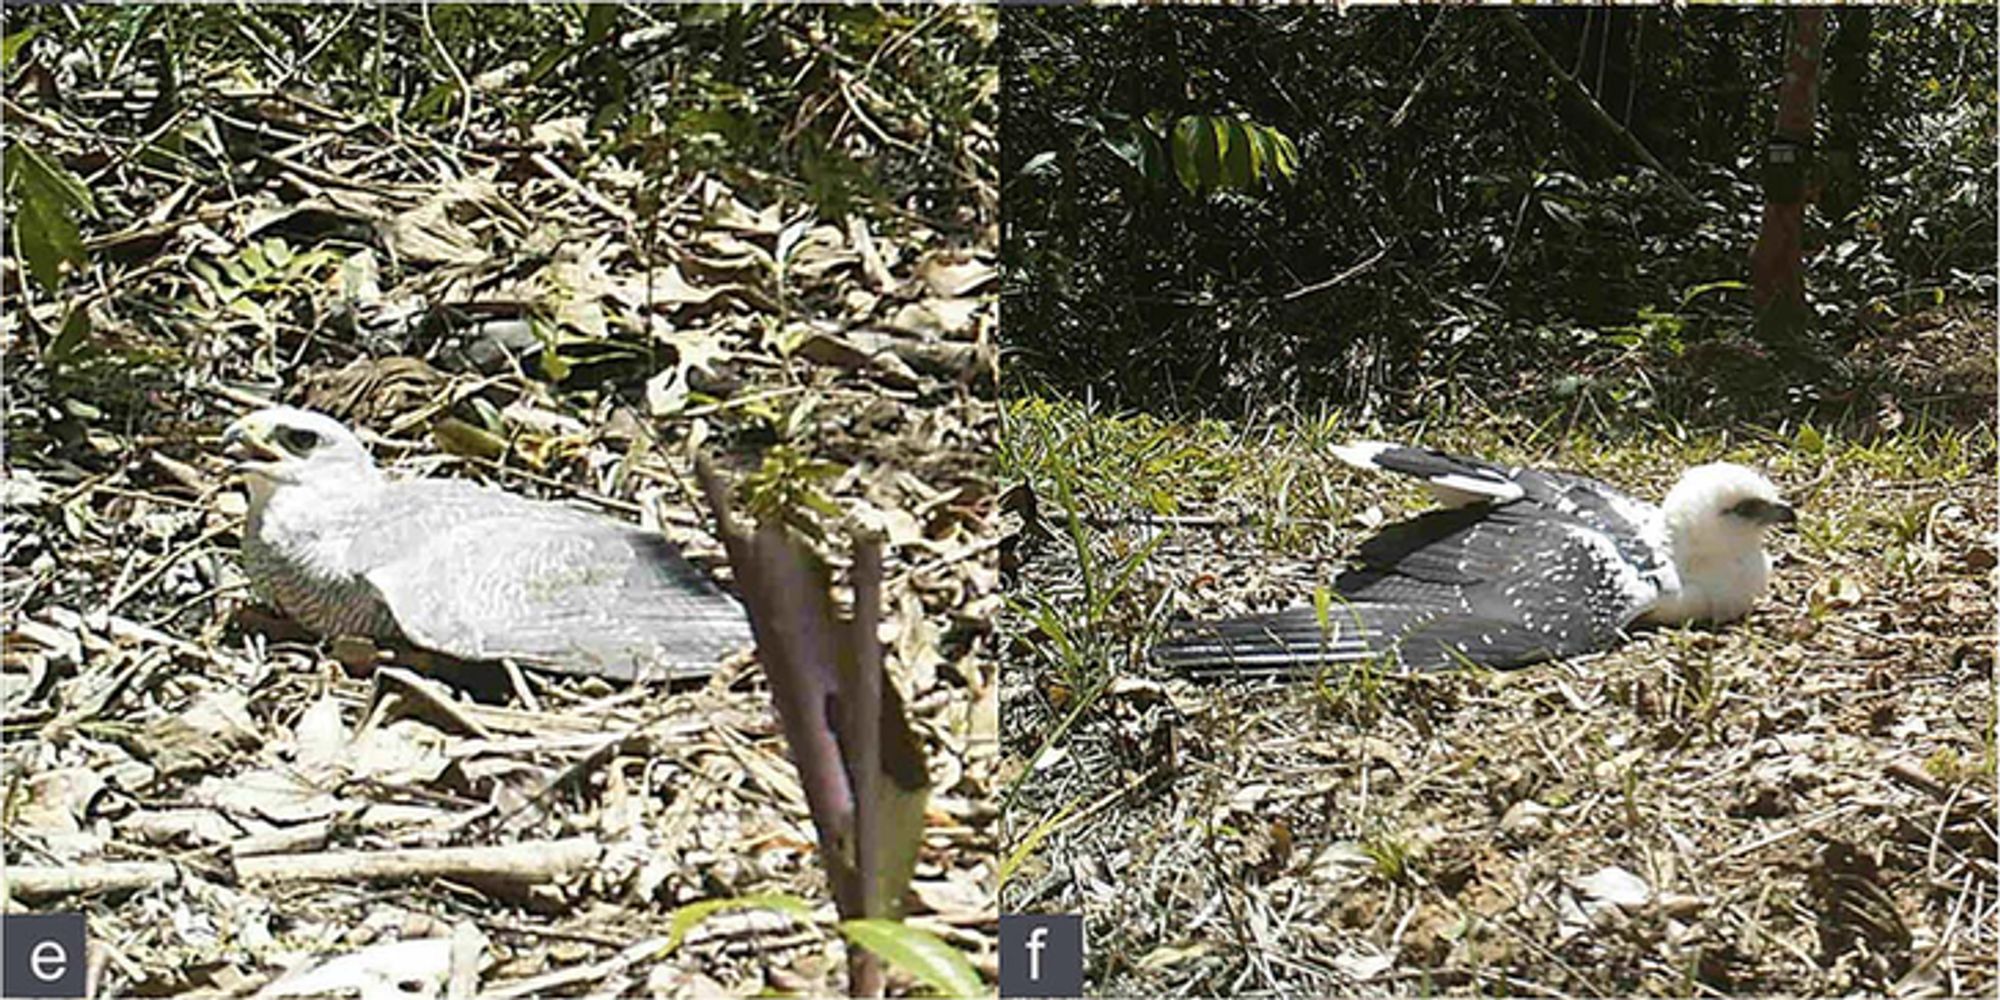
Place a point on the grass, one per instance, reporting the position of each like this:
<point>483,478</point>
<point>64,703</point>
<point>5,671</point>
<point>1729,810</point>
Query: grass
<point>1692,757</point>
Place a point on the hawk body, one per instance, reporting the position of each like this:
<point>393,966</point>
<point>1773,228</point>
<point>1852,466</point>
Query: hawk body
<point>466,570</point>
<point>1521,565</point>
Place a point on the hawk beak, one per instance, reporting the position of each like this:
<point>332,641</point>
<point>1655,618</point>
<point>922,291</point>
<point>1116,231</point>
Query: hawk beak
<point>1779,513</point>
<point>248,440</point>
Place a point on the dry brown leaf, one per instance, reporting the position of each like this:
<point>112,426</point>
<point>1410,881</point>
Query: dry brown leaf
<point>426,234</point>
<point>955,279</point>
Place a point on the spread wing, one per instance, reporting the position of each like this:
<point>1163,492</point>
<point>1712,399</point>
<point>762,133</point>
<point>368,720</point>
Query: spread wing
<point>1501,585</point>
<point>1633,525</point>
<point>480,574</point>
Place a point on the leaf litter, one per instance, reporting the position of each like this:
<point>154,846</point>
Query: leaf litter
<point>241,809</point>
<point>1801,803</point>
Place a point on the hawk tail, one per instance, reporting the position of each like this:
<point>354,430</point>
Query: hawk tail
<point>1288,645</point>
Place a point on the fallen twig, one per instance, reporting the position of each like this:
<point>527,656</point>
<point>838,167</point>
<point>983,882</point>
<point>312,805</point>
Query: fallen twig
<point>25,882</point>
<point>528,862</point>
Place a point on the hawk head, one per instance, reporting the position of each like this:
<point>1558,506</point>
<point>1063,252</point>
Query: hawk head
<point>1730,496</point>
<point>284,446</point>
<point>1720,512</point>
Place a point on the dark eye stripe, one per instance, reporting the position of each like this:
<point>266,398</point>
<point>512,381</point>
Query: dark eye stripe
<point>298,439</point>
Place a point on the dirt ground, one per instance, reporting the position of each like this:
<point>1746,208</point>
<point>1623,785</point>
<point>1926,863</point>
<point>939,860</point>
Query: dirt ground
<point>1801,803</point>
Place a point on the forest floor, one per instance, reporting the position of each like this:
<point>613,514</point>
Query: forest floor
<point>184,769</point>
<point>1799,803</point>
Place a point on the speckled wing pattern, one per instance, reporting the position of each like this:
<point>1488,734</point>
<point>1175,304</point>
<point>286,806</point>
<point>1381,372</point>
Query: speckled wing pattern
<point>480,574</point>
<point>1553,565</point>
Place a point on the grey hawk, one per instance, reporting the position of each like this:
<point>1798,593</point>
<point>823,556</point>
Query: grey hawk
<point>462,569</point>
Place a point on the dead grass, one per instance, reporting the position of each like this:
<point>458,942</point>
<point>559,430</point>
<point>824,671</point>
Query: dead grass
<point>1801,803</point>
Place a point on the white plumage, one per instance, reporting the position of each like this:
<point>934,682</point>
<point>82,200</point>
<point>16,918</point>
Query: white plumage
<point>461,569</point>
<point>1520,565</point>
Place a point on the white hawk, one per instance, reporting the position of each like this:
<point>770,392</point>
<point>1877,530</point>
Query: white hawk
<point>466,570</point>
<point>1520,566</point>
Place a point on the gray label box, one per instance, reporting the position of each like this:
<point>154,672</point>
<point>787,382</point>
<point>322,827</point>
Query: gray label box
<point>1041,955</point>
<point>41,955</point>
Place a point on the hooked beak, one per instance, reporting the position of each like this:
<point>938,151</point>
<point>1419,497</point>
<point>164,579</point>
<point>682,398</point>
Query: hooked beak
<point>247,441</point>
<point>1780,513</point>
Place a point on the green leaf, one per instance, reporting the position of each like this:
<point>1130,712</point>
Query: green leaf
<point>1124,146</point>
<point>1049,623</point>
<point>917,953</point>
<point>704,13</point>
<point>457,437</point>
<point>12,44</point>
<point>1238,169</point>
<point>60,350</point>
<point>688,917</point>
<point>430,107</point>
<point>1213,142</point>
<point>1040,832</point>
<point>48,179</point>
<point>602,17</point>
<point>554,366</point>
<point>1186,133</point>
<point>1153,158</point>
<point>208,274</point>
<point>45,225</point>
<point>546,63</point>
<point>1810,441</point>
<point>1713,286</point>
<point>42,233</point>
<point>1259,142</point>
<point>1288,154</point>
<point>254,262</point>
<point>1043,164</point>
<point>1123,578</point>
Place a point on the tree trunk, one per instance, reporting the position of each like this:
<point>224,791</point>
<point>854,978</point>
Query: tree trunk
<point>1776,274</point>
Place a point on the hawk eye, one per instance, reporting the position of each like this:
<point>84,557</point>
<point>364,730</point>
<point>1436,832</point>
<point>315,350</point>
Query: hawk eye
<point>298,440</point>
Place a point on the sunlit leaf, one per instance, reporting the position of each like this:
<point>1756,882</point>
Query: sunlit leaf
<point>1288,154</point>
<point>1212,141</point>
<point>1043,164</point>
<point>917,953</point>
<point>1809,441</point>
<point>688,917</point>
<point>1257,141</point>
<point>1187,134</point>
<point>1239,170</point>
<point>1027,845</point>
<point>12,44</point>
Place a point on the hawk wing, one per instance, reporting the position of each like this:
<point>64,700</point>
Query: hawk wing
<point>1501,585</point>
<point>480,574</point>
<point>1634,526</point>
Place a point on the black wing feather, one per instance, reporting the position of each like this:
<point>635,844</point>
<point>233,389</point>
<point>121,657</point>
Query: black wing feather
<point>1502,585</point>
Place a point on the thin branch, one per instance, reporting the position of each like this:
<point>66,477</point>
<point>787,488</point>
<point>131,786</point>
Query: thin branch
<point>1596,110</point>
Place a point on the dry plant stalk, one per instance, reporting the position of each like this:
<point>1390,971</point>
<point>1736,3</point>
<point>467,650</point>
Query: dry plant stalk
<point>864,774</point>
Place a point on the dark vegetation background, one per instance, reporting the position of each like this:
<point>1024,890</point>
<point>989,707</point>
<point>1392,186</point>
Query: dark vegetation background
<point>1493,239</point>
